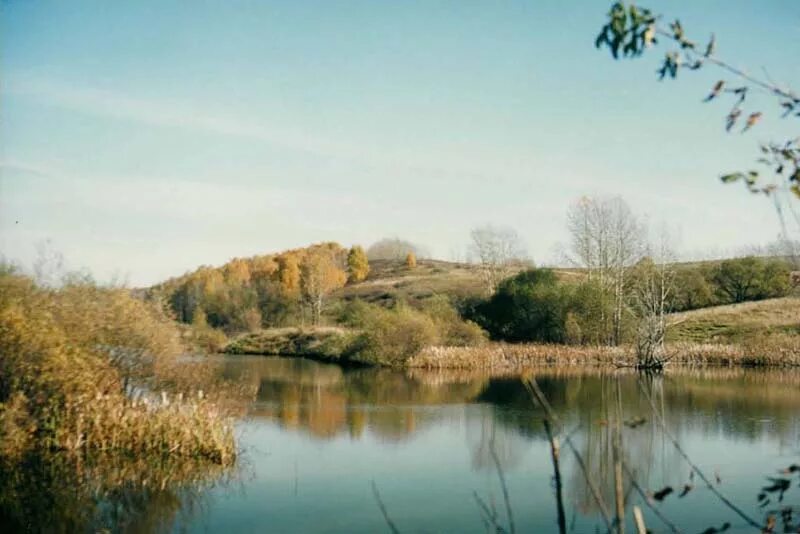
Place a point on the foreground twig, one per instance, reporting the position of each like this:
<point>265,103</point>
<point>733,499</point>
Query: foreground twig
<point>382,507</point>
<point>489,515</point>
<point>619,491</point>
<point>694,467</point>
<point>503,486</point>
<point>646,500</point>
<point>536,393</point>
<point>554,454</point>
<point>639,520</point>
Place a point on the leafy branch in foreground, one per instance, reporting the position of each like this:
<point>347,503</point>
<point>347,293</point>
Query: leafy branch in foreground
<point>631,30</point>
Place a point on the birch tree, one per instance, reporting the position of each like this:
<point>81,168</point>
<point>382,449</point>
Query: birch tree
<point>496,250</point>
<point>319,275</point>
<point>606,239</point>
<point>652,292</point>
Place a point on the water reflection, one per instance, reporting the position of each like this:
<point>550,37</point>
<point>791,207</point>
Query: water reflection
<point>496,419</point>
<point>316,436</point>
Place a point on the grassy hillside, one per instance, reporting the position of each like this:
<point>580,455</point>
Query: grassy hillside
<point>737,323</point>
<point>391,280</point>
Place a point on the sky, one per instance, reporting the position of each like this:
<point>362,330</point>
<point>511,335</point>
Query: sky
<point>143,139</point>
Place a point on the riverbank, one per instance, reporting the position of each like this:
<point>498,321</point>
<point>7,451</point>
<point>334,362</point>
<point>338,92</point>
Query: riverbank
<point>318,343</point>
<point>335,345</point>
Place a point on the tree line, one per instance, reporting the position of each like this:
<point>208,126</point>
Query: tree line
<point>262,291</point>
<point>622,289</point>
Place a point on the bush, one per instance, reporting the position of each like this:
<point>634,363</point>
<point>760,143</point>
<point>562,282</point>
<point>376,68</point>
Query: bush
<point>68,357</point>
<point>453,330</point>
<point>592,308</point>
<point>692,290</point>
<point>530,306</point>
<point>390,337</point>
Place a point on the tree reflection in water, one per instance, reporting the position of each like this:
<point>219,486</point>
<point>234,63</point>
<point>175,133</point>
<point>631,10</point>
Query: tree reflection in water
<point>492,415</point>
<point>327,401</point>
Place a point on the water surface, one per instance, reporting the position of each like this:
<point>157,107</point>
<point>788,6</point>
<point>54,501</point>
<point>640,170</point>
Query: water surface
<point>325,448</point>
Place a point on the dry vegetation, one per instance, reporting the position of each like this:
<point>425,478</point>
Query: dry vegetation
<point>501,356</point>
<point>72,360</point>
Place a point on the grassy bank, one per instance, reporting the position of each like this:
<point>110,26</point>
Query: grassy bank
<point>324,343</point>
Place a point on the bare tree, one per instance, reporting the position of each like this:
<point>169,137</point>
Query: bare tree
<point>496,250</point>
<point>606,239</point>
<point>654,284</point>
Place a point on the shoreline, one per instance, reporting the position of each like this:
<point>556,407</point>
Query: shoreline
<point>332,348</point>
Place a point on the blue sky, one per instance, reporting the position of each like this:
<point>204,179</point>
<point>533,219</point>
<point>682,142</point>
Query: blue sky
<point>146,138</point>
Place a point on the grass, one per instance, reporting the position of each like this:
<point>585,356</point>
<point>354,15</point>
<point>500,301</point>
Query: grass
<point>775,351</point>
<point>390,281</point>
<point>737,323</point>
<point>71,359</point>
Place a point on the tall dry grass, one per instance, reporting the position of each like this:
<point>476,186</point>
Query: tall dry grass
<point>69,360</point>
<point>767,351</point>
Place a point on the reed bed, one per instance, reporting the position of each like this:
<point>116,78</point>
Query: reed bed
<point>515,356</point>
<point>771,351</point>
<point>174,428</point>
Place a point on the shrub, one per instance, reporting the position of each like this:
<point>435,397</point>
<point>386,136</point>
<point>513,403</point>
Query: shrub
<point>452,329</point>
<point>530,306</point>
<point>692,290</point>
<point>591,306</point>
<point>68,356</point>
<point>390,337</point>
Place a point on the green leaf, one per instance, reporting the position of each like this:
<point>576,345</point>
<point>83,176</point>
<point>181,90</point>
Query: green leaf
<point>729,178</point>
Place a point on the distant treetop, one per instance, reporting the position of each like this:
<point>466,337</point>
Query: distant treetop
<point>392,248</point>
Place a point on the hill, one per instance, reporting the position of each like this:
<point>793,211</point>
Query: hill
<point>737,323</point>
<point>391,280</point>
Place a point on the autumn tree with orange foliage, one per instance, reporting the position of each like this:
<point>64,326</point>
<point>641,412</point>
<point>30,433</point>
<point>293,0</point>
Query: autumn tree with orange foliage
<point>411,260</point>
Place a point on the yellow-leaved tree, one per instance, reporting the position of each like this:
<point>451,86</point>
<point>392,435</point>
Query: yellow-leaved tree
<point>320,274</point>
<point>357,264</point>
<point>411,260</point>
<point>289,274</point>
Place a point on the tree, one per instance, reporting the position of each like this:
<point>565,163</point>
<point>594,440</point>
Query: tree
<point>289,274</point>
<point>411,261</point>
<point>751,278</point>
<point>631,30</point>
<point>530,306</point>
<point>653,285</point>
<point>497,250</point>
<point>692,289</point>
<point>320,274</point>
<point>357,264</point>
<point>606,239</point>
